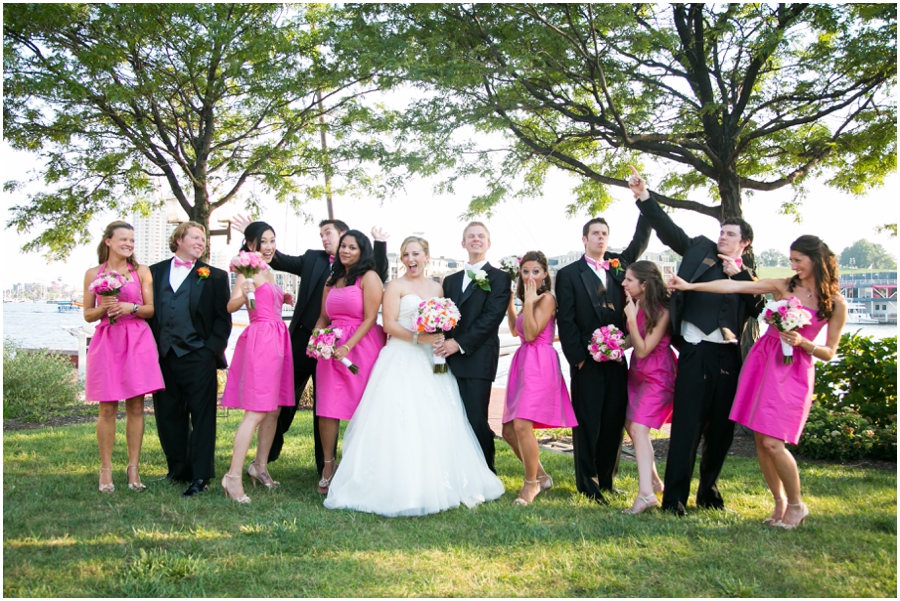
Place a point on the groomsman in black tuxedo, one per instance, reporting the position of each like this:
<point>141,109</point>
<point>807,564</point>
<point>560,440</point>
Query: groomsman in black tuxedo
<point>191,325</point>
<point>481,292</point>
<point>589,295</point>
<point>707,329</point>
<point>313,267</point>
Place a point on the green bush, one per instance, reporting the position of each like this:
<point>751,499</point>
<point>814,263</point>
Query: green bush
<point>839,435</point>
<point>863,378</point>
<point>36,384</point>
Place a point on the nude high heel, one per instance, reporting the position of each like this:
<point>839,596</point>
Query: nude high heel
<point>244,500</point>
<point>804,513</point>
<point>324,483</point>
<point>135,486</point>
<point>106,488</point>
<point>261,476</point>
<point>522,502</point>
<point>645,503</point>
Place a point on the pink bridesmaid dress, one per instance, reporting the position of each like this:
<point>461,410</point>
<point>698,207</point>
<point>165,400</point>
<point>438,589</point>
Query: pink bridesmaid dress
<point>536,390</point>
<point>122,359</point>
<point>651,383</point>
<point>773,398</point>
<point>261,375</point>
<point>338,391</point>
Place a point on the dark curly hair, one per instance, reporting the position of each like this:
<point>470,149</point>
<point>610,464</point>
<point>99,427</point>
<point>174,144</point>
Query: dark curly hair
<point>656,294</point>
<point>253,233</point>
<point>366,260</point>
<point>825,269</point>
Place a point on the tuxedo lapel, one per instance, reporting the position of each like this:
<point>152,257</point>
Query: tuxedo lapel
<point>708,262</point>
<point>593,287</point>
<point>195,284</point>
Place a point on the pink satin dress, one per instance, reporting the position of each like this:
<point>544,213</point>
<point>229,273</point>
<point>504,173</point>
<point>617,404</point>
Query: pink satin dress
<point>651,383</point>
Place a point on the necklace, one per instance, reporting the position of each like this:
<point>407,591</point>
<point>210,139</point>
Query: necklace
<point>808,292</point>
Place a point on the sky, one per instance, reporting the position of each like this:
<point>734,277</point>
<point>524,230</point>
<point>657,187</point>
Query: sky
<point>516,227</point>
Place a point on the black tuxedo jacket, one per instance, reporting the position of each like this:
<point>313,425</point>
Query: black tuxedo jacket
<point>698,255</point>
<point>481,313</point>
<point>209,305</point>
<point>585,303</point>
<point>313,267</point>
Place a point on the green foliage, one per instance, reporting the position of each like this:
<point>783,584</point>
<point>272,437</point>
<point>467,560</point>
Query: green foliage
<point>863,378</point>
<point>36,384</point>
<point>725,97</point>
<point>772,258</point>
<point>864,254</point>
<point>202,98</point>
<point>845,435</point>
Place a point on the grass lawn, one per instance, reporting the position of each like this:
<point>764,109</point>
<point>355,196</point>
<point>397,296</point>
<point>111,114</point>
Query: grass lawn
<point>61,538</point>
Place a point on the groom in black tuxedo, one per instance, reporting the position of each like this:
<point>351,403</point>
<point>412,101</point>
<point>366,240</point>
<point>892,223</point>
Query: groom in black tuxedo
<point>191,325</point>
<point>313,267</point>
<point>589,295</point>
<point>707,328</point>
<point>472,348</point>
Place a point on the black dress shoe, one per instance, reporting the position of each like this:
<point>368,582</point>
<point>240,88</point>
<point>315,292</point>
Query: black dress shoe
<point>678,510</point>
<point>170,479</point>
<point>597,497</point>
<point>196,487</point>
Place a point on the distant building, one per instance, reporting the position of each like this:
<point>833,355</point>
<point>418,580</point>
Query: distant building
<point>875,292</point>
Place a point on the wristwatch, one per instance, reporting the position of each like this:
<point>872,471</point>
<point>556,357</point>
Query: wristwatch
<point>135,310</point>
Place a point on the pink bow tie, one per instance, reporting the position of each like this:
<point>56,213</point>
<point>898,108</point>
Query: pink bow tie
<point>597,264</point>
<point>180,263</point>
<point>330,259</point>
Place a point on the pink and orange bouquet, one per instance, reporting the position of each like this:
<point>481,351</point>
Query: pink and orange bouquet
<point>107,284</point>
<point>248,264</point>
<point>322,345</point>
<point>786,315</point>
<point>607,344</point>
<point>437,314</point>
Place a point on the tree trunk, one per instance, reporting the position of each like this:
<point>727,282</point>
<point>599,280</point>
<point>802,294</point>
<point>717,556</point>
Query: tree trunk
<point>200,213</point>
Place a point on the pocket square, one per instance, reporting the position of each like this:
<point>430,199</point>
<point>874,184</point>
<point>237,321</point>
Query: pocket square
<point>708,261</point>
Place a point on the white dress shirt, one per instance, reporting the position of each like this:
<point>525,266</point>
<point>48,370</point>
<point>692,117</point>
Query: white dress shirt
<point>177,274</point>
<point>473,268</point>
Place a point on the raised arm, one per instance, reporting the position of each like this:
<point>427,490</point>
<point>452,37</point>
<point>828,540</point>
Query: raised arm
<point>644,345</point>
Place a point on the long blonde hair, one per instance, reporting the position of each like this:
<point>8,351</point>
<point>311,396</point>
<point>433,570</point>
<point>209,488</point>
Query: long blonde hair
<point>103,249</point>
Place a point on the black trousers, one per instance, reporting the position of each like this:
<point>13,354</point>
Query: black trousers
<point>476,396</point>
<point>304,369</point>
<point>704,391</point>
<point>599,398</point>
<point>186,414</point>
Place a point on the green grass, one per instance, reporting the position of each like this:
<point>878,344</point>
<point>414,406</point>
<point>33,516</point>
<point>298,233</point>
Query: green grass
<point>61,538</point>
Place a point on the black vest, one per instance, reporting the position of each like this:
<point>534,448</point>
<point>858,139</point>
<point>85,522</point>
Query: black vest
<point>710,311</point>
<point>176,328</point>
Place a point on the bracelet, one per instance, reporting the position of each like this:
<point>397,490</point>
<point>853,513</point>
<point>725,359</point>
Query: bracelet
<point>812,352</point>
<point>135,310</point>
<point>346,347</point>
<point>415,338</point>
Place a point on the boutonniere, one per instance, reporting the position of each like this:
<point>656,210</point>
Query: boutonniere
<point>202,274</point>
<point>480,278</point>
<point>613,264</point>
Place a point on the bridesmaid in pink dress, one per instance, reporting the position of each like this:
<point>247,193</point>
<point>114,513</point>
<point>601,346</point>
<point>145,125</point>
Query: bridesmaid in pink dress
<point>651,378</point>
<point>122,360</point>
<point>261,375</point>
<point>773,398</point>
<point>350,302</point>
<point>536,395</point>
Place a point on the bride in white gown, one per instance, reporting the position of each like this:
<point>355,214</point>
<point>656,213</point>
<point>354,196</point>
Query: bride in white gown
<point>409,449</point>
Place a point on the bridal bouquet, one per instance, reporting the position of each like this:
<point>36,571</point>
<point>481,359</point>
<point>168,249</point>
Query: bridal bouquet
<point>248,264</point>
<point>786,315</point>
<point>107,284</point>
<point>322,346</point>
<point>607,344</point>
<point>437,314</point>
<point>510,265</point>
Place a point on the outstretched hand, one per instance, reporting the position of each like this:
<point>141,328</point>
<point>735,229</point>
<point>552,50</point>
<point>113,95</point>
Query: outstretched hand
<point>380,234</point>
<point>676,283</point>
<point>240,222</point>
<point>637,184</point>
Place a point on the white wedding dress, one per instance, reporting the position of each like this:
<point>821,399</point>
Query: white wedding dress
<point>409,449</point>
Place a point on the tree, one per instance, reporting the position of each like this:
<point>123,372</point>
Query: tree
<point>863,254</point>
<point>729,98</point>
<point>772,258</point>
<point>205,97</point>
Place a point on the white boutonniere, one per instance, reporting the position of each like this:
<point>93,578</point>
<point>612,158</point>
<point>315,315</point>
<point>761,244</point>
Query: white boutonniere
<point>480,279</point>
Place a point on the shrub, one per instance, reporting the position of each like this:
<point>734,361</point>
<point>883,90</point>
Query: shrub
<point>36,384</point>
<point>840,435</point>
<point>863,378</point>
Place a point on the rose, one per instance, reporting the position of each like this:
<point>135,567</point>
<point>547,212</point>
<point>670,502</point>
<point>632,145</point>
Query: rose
<point>202,274</point>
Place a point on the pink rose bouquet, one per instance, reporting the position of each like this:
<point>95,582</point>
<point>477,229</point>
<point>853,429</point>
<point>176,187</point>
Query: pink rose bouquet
<point>437,314</point>
<point>607,344</point>
<point>786,315</point>
<point>107,284</point>
<point>322,345</point>
<point>248,264</point>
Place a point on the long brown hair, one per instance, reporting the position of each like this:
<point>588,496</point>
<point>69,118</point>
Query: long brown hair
<point>103,249</point>
<point>656,295</point>
<point>825,270</point>
<point>546,284</point>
